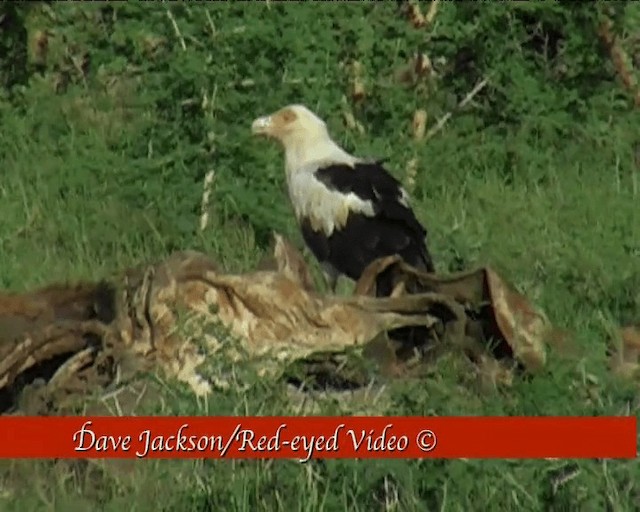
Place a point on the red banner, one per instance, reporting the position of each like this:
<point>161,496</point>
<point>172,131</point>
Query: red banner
<point>317,437</point>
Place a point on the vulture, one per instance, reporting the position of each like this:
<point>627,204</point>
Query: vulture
<point>351,211</point>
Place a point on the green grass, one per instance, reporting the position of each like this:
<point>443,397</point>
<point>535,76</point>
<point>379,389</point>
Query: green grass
<point>107,173</point>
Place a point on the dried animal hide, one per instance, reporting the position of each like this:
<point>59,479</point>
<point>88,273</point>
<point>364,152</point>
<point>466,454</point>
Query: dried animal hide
<point>184,312</point>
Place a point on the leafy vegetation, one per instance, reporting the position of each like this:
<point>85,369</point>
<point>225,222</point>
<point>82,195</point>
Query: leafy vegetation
<point>114,113</point>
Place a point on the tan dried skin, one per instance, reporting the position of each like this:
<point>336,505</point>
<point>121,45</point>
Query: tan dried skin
<point>275,317</point>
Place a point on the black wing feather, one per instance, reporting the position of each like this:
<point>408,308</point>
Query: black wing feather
<point>393,230</point>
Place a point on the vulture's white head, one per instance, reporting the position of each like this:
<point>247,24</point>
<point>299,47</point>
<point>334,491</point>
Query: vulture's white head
<point>291,125</point>
<point>303,136</point>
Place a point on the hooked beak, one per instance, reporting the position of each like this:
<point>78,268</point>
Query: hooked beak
<point>261,125</point>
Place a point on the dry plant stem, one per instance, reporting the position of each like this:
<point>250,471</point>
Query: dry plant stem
<point>443,120</point>
<point>619,60</point>
<point>206,194</point>
<point>419,20</point>
<point>176,29</point>
<point>431,13</point>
